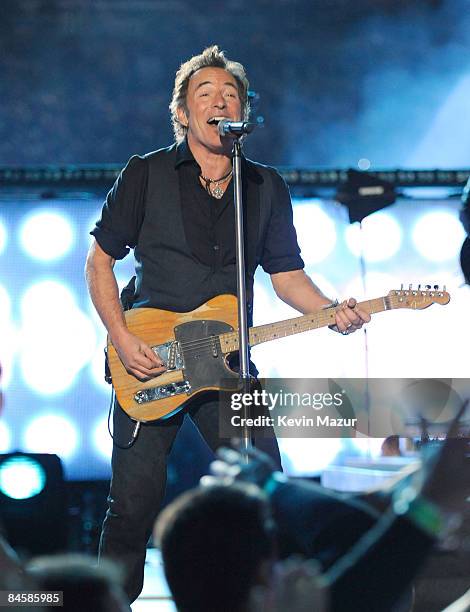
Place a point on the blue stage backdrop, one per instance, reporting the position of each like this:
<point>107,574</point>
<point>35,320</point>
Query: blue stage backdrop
<point>51,340</point>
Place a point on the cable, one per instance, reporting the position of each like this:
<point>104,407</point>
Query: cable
<point>135,433</point>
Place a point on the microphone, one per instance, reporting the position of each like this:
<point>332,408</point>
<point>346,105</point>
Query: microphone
<point>235,128</point>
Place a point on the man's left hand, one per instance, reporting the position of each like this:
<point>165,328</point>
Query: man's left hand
<point>350,318</point>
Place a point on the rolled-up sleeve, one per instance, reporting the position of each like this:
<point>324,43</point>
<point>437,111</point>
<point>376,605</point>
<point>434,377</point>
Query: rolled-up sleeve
<point>122,214</point>
<point>281,252</point>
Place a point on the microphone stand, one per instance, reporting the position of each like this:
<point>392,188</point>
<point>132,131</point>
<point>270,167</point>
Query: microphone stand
<point>243,340</point>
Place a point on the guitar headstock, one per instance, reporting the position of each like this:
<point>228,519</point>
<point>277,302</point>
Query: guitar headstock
<point>419,298</point>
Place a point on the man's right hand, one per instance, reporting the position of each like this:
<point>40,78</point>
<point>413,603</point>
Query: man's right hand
<point>137,357</point>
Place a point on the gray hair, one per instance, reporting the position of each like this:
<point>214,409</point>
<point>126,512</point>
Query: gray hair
<point>211,57</point>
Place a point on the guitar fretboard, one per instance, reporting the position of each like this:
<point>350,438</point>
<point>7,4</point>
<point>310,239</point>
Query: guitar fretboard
<point>298,325</point>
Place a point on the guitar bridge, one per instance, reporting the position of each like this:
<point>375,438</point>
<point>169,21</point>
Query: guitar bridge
<point>164,391</point>
<point>170,354</point>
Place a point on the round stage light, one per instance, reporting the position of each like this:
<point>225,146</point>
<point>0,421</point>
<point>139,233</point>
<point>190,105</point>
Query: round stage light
<point>316,232</point>
<point>3,236</point>
<point>102,440</point>
<point>438,236</point>
<point>5,304</point>
<point>5,438</point>
<point>21,477</point>
<point>57,338</point>
<point>51,434</point>
<point>379,238</point>
<point>8,336</point>
<point>47,235</point>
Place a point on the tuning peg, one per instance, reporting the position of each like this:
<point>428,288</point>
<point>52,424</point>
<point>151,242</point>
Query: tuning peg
<point>401,287</point>
<point>409,288</point>
<point>436,287</point>
<point>444,288</point>
<point>419,287</point>
<point>428,287</point>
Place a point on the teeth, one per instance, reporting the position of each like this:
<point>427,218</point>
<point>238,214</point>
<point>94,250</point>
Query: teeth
<point>214,120</point>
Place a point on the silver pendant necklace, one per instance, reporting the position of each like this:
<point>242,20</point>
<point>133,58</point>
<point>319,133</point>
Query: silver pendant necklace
<point>213,187</point>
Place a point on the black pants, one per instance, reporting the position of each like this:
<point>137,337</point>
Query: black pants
<point>138,483</point>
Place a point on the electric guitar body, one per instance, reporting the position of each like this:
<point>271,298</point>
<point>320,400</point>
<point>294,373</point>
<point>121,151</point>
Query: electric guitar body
<point>189,345</point>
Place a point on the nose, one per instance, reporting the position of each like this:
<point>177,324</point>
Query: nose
<point>219,100</point>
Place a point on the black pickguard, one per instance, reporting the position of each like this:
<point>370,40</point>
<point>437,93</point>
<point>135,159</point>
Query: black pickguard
<point>202,356</point>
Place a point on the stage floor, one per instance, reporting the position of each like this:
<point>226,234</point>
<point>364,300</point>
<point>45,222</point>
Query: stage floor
<point>155,595</point>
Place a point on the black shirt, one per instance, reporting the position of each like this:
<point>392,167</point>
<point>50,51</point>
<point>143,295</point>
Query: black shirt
<point>184,239</point>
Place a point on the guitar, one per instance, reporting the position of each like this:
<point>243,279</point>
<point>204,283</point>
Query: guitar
<point>195,347</point>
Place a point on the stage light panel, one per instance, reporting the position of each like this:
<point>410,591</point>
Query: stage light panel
<point>5,437</point>
<point>47,236</point>
<point>438,236</point>
<point>301,456</point>
<point>378,239</point>
<point>57,338</point>
<point>374,285</point>
<point>371,447</point>
<point>102,440</point>
<point>316,232</point>
<point>21,477</point>
<point>5,304</point>
<point>51,433</point>
<point>97,368</point>
<point>3,236</point>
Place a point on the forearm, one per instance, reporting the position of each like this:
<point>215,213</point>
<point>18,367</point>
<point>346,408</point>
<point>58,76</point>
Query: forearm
<point>299,291</point>
<point>104,292</point>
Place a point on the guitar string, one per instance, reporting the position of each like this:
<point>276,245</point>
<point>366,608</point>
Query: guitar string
<point>296,327</point>
<point>322,319</point>
<point>210,339</point>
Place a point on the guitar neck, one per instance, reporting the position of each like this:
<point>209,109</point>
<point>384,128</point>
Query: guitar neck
<point>298,325</point>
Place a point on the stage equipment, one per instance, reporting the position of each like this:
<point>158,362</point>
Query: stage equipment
<point>243,340</point>
<point>235,128</point>
<point>33,507</point>
<point>465,212</point>
<point>363,195</point>
<point>99,177</point>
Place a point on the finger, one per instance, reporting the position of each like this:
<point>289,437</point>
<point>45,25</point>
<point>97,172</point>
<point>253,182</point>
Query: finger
<point>141,370</point>
<point>224,470</point>
<point>141,361</point>
<point>209,481</point>
<point>342,321</point>
<point>147,351</point>
<point>138,374</point>
<point>229,455</point>
<point>352,316</point>
<point>363,315</point>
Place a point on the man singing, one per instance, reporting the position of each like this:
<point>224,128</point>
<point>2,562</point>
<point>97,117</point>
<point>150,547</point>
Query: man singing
<point>174,208</point>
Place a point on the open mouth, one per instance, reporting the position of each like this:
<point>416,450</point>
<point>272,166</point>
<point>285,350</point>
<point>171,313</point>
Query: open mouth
<point>216,120</point>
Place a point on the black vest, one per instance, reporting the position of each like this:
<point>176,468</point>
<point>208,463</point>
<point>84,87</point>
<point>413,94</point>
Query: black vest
<point>181,282</point>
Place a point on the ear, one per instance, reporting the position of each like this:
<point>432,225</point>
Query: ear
<point>182,117</point>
